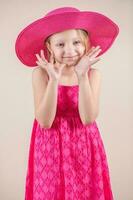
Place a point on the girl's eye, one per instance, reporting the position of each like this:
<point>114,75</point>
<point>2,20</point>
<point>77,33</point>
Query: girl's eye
<point>76,42</point>
<point>60,44</point>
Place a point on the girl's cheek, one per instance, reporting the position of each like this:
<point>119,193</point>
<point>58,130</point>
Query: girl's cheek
<point>59,56</point>
<point>81,48</point>
<point>58,52</point>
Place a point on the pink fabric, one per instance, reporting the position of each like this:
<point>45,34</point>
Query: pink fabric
<point>68,160</point>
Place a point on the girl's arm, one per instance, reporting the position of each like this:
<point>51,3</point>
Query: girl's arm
<point>45,97</point>
<point>89,92</point>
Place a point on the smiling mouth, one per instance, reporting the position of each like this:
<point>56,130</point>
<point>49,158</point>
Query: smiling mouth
<point>70,57</point>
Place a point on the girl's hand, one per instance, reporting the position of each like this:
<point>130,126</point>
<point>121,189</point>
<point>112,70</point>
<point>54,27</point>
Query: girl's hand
<point>87,60</point>
<point>53,72</point>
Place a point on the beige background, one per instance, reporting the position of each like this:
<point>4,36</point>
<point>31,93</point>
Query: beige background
<point>114,120</point>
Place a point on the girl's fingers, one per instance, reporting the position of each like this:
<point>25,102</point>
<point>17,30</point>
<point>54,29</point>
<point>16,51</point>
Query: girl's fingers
<point>40,60</point>
<point>38,57</point>
<point>94,50</point>
<point>42,66</point>
<point>38,63</point>
<point>91,50</point>
<point>96,60</point>
<point>94,54</point>
<point>42,55</point>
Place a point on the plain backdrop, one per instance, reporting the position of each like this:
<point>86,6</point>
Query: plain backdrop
<point>16,97</point>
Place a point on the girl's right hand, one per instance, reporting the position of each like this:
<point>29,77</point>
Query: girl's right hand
<point>53,72</point>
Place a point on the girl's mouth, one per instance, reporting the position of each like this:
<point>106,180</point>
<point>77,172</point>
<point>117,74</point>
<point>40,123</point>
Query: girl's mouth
<point>70,57</point>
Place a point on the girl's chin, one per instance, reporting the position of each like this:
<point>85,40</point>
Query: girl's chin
<point>71,62</point>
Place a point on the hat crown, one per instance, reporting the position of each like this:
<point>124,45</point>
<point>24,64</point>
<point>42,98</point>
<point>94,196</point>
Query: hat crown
<point>62,10</point>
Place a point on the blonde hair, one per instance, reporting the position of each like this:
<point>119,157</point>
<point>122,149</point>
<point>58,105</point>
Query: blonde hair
<point>84,36</point>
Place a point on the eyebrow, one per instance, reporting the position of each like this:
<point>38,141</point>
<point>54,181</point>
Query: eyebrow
<point>60,40</point>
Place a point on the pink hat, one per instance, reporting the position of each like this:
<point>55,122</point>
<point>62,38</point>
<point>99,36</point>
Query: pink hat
<point>102,31</point>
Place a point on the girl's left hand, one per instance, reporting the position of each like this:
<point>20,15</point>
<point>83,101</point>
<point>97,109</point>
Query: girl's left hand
<point>87,60</point>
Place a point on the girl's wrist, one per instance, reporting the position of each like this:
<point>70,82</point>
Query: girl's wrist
<point>53,81</point>
<point>82,77</point>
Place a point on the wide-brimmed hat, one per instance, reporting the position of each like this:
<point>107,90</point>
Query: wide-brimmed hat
<point>102,31</point>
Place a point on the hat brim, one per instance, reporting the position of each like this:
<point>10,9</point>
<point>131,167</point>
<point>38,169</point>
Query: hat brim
<point>102,31</point>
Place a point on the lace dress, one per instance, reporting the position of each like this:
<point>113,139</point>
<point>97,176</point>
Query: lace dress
<point>67,161</point>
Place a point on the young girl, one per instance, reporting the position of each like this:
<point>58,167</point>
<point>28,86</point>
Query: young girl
<point>67,159</point>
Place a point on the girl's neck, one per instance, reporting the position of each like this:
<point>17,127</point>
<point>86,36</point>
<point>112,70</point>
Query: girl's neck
<point>68,71</point>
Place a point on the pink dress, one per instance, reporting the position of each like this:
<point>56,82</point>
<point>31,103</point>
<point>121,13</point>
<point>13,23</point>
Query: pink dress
<point>68,160</point>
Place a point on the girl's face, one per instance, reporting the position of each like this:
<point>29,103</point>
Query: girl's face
<point>67,47</point>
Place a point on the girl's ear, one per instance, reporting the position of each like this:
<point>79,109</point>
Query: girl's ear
<point>49,50</point>
<point>48,46</point>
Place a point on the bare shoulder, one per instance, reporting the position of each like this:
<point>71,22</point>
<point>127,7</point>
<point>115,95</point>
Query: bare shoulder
<point>39,75</point>
<point>38,71</point>
<point>95,73</point>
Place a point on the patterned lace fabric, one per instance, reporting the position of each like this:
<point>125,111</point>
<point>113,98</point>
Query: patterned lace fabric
<point>67,161</point>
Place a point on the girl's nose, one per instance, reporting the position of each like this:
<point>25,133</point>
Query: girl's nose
<point>69,50</point>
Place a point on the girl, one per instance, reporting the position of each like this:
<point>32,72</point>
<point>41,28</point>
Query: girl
<point>67,159</point>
